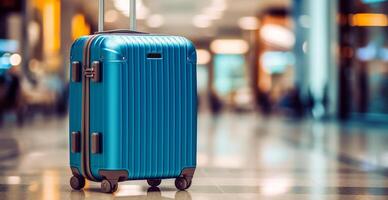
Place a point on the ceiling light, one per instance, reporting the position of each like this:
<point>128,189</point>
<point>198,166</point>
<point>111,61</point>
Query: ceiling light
<point>275,186</point>
<point>212,13</point>
<point>155,21</point>
<point>277,35</point>
<point>13,180</point>
<point>204,56</point>
<point>111,16</point>
<point>15,59</point>
<point>219,5</point>
<point>202,21</point>
<point>229,46</point>
<point>249,23</point>
<point>123,6</point>
<point>369,19</point>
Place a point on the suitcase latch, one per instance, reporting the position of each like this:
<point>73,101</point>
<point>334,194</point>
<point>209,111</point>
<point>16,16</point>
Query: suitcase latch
<point>94,72</point>
<point>89,72</point>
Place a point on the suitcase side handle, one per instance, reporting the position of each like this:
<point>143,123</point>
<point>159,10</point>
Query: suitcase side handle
<point>101,15</point>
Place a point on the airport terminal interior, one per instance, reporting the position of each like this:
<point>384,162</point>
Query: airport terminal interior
<point>292,96</point>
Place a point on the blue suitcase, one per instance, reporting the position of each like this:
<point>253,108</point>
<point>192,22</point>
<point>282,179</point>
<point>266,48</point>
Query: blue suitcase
<point>133,112</point>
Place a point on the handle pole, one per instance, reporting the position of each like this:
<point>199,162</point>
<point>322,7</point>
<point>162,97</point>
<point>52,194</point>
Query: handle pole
<point>101,14</point>
<point>132,16</point>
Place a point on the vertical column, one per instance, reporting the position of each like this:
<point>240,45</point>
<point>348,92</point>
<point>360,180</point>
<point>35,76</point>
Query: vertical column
<point>301,33</point>
<point>254,66</point>
<point>66,33</point>
<point>322,68</point>
<point>333,84</point>
<point>24,43</point>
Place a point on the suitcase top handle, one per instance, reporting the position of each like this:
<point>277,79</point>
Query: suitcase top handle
<point>101,13</point>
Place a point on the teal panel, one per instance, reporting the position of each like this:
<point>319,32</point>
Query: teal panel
<point>75,99</point>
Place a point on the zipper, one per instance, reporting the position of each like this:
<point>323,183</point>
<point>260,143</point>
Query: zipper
<point>87,75</point>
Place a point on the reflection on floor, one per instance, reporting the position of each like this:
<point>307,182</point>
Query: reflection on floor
<point>240,157</point>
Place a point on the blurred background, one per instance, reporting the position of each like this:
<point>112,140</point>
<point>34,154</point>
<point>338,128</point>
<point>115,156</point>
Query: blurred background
<point>273,57</point>
<point>316,70</point>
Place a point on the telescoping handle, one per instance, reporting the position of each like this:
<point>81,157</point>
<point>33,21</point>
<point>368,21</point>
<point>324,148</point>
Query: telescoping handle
<point>101,15</point>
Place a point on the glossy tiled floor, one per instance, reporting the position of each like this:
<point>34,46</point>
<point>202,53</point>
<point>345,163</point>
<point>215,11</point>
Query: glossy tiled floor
<point>240,157</point>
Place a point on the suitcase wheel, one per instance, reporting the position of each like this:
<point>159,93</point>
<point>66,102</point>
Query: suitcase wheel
<point>154,182</point>
<point>77,182</point>
<point>182,183</point>
<point>108,186</point>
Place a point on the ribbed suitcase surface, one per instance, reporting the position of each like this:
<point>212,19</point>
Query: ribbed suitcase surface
<point>144,107</point>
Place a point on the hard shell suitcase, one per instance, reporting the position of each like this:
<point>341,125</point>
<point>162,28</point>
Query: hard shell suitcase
<point>133,108</point>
